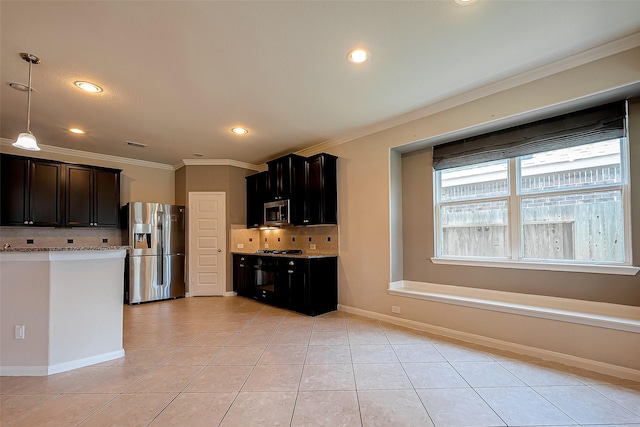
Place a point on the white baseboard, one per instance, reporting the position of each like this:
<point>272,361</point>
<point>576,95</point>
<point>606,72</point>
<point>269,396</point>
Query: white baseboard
<point>15,371</point>
<point>224,294</point>
<point>565,359</point>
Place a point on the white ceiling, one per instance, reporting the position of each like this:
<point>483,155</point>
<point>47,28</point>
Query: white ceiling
<point>178,75</point>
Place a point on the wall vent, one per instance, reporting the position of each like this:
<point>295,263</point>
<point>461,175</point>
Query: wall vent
<point>135,144</point>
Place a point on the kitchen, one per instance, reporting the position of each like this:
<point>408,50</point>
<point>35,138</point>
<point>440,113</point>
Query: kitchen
<point>370,209</point>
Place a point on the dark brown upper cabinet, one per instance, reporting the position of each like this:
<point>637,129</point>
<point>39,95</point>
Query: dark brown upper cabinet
<point>282,177</point>
<point>309,183</point>
<point>92,196</point>
<point>37,192</point>
<point>320,190</point>
<point>256,196</point>
<point>32,192</point>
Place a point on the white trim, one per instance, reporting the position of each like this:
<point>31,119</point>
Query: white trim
<point>14,371</point>
<point>87,255</point>
<point>585,57</point>
<point>623,270</point>
<point>87,361</point>
<point>95,156</point>
<point>64,255</point>
<point>220,162</point>
<point>598,314</point>
<point>229,294</point>
<point>565,359</point>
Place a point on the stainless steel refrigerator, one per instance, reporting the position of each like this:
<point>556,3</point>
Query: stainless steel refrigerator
<point>155,266</point>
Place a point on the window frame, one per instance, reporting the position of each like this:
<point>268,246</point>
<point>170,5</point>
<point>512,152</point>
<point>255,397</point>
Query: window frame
<point>515,258</point>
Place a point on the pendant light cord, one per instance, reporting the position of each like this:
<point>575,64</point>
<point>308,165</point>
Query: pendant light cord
<point>29,100</point>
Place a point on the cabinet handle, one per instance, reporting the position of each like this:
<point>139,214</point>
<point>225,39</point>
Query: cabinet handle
<point>240,265</point>
<point>242,259</point>
<point>30,222</point>
<point>290,271</point>
<point>292,263</point>
<point>306,220</point>
<point>26,222</point>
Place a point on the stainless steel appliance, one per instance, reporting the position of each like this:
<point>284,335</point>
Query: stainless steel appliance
<point>276,213</point>
<point>155,266</point>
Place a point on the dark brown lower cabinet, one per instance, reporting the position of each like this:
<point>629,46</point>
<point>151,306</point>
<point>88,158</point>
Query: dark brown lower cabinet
<point>305,285</point>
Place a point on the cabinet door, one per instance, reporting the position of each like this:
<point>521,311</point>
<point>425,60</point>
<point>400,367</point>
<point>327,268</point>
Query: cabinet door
<point>278,179</point>
<point>243,275</point>
<point>293,285</point>
<point>256,193</point>
<point>45,193</point>
<point>107,198</point>
<point>79,196</point>
<point>321,190</point>
<point>315,191</point>
<point>15,193</point>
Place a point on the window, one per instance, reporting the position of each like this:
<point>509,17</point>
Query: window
<point>566,204</point>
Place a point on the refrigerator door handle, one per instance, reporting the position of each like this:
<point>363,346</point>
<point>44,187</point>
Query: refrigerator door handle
<point>160,253</point>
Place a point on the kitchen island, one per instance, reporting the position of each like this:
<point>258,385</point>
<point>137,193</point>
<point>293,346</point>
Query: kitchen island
<point>60,308</point>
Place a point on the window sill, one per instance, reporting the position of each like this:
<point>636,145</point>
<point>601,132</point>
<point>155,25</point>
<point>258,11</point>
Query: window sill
<point>599,314</point>
<point>624,270</point>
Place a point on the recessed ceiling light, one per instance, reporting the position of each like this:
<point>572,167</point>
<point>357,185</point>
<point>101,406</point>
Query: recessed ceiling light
<point>358,56</point>
<point>76,130</point>
<point>239,131</point>
<point>464,1</point>
<point>88,87</point>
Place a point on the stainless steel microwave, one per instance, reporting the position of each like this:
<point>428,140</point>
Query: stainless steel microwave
<point>276,213</point>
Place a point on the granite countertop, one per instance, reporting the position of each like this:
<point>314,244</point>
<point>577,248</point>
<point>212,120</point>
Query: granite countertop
<point>66,248</point>
<point>301,256</point>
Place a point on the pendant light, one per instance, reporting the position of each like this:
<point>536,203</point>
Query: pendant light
<point>26,140</point>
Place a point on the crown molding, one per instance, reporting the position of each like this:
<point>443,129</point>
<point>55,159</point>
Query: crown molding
<point>94,156</point>
<point>220,162</point>
<point>590,55</point>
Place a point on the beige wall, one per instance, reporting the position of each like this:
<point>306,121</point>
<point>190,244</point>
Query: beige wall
<point>367,217</point>
<point>228,179</point>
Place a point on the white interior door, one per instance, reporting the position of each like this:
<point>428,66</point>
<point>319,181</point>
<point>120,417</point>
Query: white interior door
<point>207,244</point>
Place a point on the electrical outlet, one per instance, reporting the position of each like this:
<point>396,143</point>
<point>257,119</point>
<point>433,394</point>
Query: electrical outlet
<point>312,246</point>
<point>240,245</point>
<point>19,332</point>
<point>266,246</point>
<point>395,309</point>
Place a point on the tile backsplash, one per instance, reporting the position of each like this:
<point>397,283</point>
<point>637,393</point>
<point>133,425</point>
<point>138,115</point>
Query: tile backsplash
<point>311,240</point>
<point>45,237</point>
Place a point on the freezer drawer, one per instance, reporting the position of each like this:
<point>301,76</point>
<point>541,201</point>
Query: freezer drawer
<point>153,278</point>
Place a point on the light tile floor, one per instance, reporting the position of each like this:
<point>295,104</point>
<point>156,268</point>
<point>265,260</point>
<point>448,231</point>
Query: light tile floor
<point>235,362</point>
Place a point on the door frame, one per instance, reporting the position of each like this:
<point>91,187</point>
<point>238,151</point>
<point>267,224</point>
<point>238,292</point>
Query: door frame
<point>188,241</point>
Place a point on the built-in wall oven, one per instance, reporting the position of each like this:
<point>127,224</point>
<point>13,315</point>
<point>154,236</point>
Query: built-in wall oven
<point>277,213</point>
<point>265,286</point>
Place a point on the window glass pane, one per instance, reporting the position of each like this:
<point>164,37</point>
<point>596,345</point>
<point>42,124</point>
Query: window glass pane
<point>475,229</point>
<point>584,166</point>
<point>473,182</point>
<point>585,226</point>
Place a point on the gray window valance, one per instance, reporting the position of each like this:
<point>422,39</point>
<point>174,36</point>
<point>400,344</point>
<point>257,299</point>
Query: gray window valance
<point>581,127</point>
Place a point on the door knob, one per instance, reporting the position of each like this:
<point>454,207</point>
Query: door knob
<point>219,250</point>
